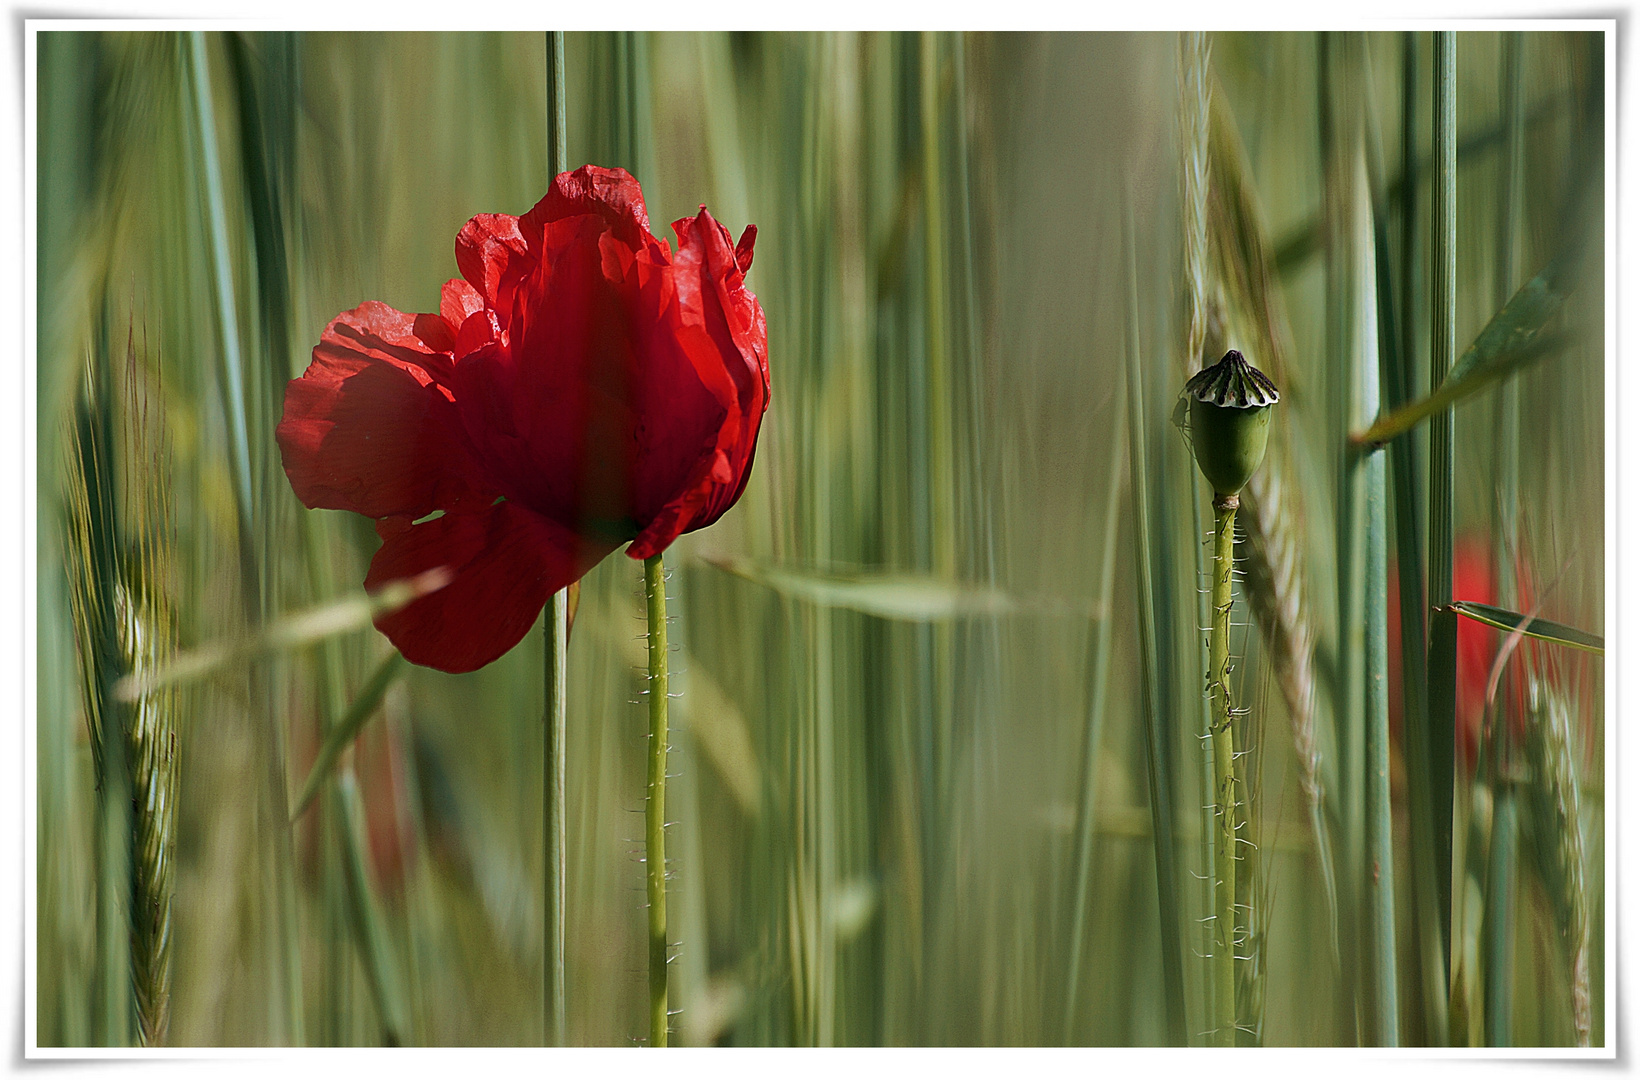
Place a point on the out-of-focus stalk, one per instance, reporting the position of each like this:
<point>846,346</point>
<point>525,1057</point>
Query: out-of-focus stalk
<point>555,632</point>
<point>1443,623</point>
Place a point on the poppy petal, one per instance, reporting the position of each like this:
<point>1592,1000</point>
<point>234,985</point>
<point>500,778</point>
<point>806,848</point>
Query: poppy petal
<point>368,427</point>
<point>492,255</point>
<point>611,194</point>
<point>505,562</point>
<point>721,326</point>
<point>458,300</point>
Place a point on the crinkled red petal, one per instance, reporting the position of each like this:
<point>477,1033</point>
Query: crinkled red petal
<point>610,194</point>
<point>721,325</point>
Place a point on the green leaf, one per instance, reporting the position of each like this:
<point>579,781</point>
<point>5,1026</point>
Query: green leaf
<point>1542,629</point>
<point>1512,340</point>
<point>293,631</point>
<point>345,730</point>
<point>899,597</point>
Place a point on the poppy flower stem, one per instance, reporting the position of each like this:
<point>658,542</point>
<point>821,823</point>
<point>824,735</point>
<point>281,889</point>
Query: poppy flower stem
<point>1224,777</point>
<point>556,626</point>
<point>556,630</point>
<point>655,812</point>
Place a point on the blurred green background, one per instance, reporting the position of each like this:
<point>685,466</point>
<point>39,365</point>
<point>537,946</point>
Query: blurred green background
<point>937,682</point>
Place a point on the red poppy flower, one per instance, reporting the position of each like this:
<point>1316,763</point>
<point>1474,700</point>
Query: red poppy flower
<point>1472,579</point>
<point>580,387</point>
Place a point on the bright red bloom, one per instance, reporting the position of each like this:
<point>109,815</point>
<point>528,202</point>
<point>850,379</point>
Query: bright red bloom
<point>582,387</point>
<point>1472,579</point>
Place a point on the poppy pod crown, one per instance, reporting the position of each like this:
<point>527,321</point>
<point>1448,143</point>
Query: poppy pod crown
<point>1230,420</point>
<point>581,386</point>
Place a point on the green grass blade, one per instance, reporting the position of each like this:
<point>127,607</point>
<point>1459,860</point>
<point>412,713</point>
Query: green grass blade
<point>233,365</point>
<point>1305,240</point>
<point>914,598</point>
<point>1159,787</point>
<point>369,935</point>
<point>290,632</point>
<point>1443,627</point>
<point>1098,693</point>
<point>1499,925</point>
<point>347,728</point>
<point>1540,628</point>
<point>1409,476</point>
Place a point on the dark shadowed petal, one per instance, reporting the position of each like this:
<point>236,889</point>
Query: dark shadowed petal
<point>505,562</point>
<point>369,427</point>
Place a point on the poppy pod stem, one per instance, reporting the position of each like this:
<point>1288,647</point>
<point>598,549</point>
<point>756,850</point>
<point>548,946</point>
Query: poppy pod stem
<point>1224,776</point>
<point>1229,415</point>
<point>655,812</point>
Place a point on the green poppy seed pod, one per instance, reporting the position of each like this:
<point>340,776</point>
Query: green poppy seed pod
<point>1230,420</point>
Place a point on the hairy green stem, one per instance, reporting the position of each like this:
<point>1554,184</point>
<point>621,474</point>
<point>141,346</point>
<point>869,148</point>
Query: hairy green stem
<point>654,587</point>
<point>1224,777</point>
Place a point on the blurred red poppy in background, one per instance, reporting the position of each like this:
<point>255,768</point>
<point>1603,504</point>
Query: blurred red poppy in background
<point>580,387</point>
<point>1472,580</point>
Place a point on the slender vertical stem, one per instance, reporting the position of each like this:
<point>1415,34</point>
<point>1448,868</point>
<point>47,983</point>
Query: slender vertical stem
<point>1383,1023</point>
<point>1098,690</point>
<point>556,634</point>
<point>557,129</point>
<point>654,583</point>
<point>1406,465</point>
<point>1499,921</point>
<point>1500,918</point>
<point>1443,628</point>
<point>1158,775</point>
<point>1384,1027</point>
<point>1224,776</point>
<point>252,584</point>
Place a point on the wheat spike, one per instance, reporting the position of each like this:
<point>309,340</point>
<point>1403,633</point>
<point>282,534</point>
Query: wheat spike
<point>1558,835</point>
<point>118,561</point>
<point>1195,106</point>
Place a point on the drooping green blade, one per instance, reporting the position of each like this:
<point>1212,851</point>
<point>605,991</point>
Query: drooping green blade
<point>1305,240</point>
<point>1542,629</point>
<point>1511,341</point>
<point>345,730</point>
<point>898,597</point>
<point>293,631</point>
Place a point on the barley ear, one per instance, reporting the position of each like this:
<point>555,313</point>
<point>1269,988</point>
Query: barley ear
<point>1557,835</point>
